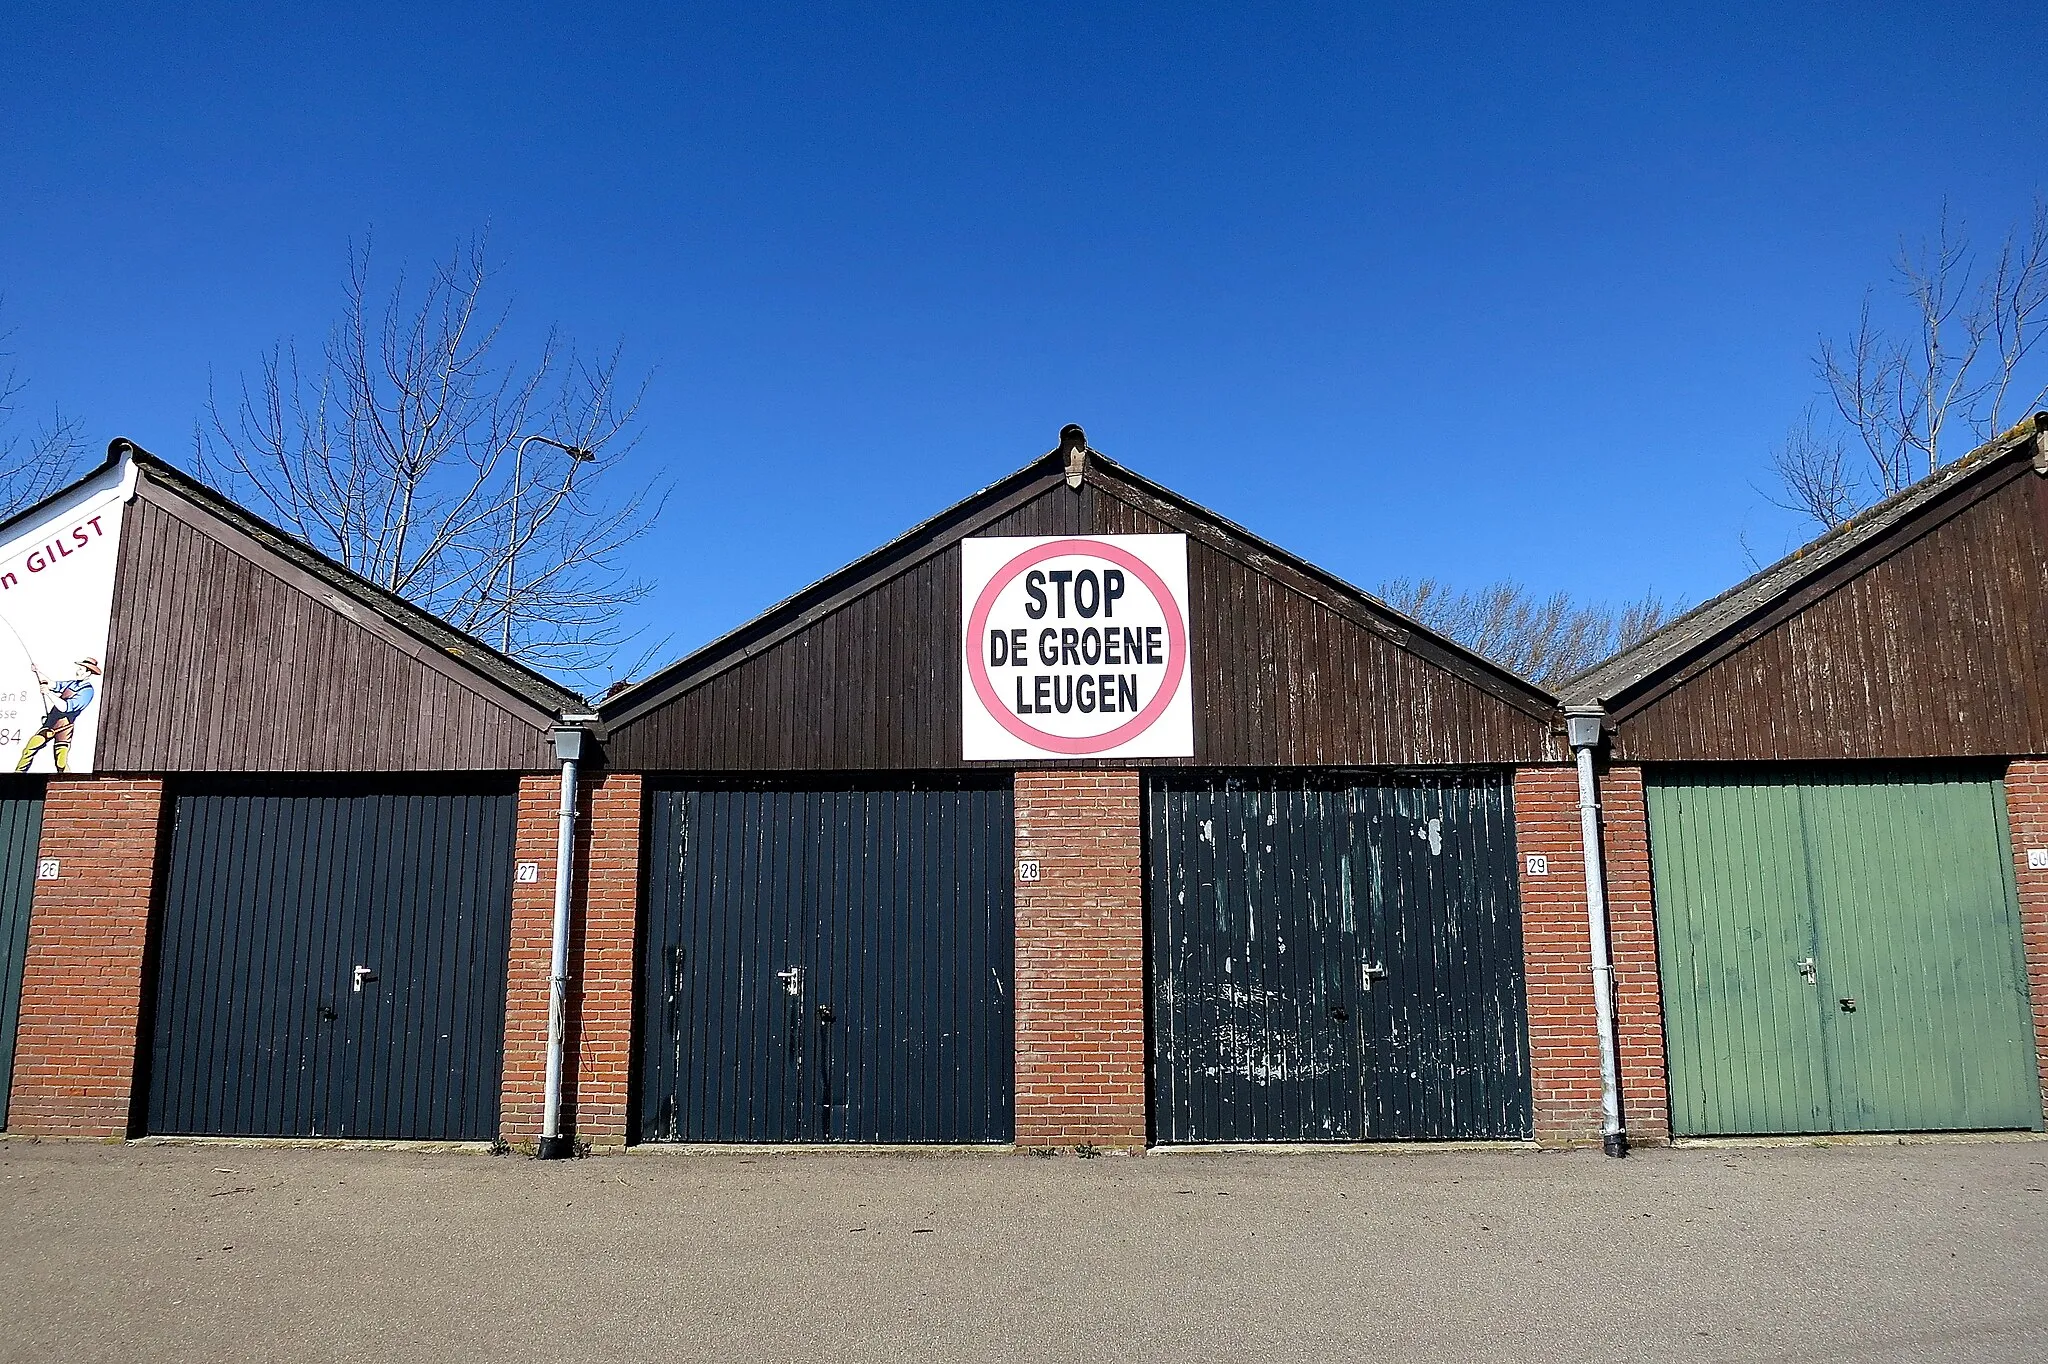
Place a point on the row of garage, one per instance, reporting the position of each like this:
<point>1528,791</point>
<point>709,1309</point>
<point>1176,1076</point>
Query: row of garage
<point>1337,918</point>
<point>1328,959</point>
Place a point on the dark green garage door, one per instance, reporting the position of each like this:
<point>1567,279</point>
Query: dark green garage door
<point>828,961</point>
<point>1840,951</point>
<point>332,961</point>
<point>21,828</point>
<point>1335,958</point>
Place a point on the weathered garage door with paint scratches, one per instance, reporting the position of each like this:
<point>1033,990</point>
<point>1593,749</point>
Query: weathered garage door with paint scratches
<point>1840,950</point>
<point>1335,958</point>
<point>828,960</point>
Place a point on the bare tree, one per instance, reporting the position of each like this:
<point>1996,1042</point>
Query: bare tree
<point>1814,470</point>
<point>494,491</point>
<point>1545,639</point>
<point>35,462</point>
<point>1958,352</point>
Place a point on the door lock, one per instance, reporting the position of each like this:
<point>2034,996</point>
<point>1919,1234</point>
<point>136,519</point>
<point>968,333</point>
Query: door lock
<point>792,981</point>
<point>1847,1006</point>
<point>359,975</point>
<point>824,1013</point>
<point>1340,1013</point>
<point>1808,969</point>
<point>1370,972</point>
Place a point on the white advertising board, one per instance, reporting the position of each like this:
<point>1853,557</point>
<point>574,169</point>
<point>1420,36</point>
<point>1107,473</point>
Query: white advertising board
<point>56,597</point>
<point>1076,647</point>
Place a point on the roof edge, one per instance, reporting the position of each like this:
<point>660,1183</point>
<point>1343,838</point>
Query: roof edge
<point>540,690</point>
<point>1684,637</point>
<point>960,520</point>
<point>630,701</point>
<point>1401,619</point>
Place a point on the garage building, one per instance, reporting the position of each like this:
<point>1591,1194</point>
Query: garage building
<point>894,893</point>
<point>257,873</point>
<point>1826,804</point>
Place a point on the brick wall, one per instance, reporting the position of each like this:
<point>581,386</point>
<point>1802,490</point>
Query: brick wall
<point>81,986</point>
<point>2026,801</point>
<point>1632,938</point>
<point>1081,960</point>
<point>1564,1038</point>
<point>597,1057</point>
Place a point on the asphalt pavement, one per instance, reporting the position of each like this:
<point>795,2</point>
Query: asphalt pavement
<point>1888,1252</point>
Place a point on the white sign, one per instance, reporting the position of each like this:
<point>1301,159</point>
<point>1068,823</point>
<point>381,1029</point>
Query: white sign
<point>1539,864</point>
<point>56,596</point>
<point>47,869</point>
<point>525,871</point>
<point>1076,646</point>
<point>2037,859</point>
<point>1027,870</point>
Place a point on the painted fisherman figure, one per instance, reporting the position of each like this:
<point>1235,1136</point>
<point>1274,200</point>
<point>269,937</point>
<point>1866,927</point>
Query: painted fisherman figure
<point>68,701</point>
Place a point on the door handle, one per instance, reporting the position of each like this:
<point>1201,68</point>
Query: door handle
<point>1810,970</point>
<point>1370,972</point>
<point>792,981</point>
<point>1847,1006</point>
<point>359,975</point>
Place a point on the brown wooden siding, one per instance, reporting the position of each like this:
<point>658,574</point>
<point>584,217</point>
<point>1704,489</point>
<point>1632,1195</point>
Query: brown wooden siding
<point>1280,679</point>
<point>1935,646</point>
<point>217,664</point>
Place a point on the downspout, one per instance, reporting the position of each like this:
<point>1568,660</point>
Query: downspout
<point>568,737</point>
<point>1582,726</point>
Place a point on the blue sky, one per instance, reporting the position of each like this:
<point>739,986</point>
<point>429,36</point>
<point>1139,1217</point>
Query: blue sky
<point>1465,290</point>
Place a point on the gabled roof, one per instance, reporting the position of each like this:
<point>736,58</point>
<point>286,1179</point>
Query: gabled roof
<point>466,650</point>
<point>980,509</point>
<point>1716,622</point>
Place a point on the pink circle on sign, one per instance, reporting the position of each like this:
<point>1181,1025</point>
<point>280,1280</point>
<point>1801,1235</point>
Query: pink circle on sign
<point>1176,648</point>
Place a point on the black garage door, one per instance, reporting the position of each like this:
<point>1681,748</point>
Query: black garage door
<point>332,962</point>
<point>1335,958</point>
<point>828,962</point>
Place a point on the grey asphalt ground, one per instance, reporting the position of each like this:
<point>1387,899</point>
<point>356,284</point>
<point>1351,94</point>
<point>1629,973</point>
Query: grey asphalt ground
<point>143,1252</point>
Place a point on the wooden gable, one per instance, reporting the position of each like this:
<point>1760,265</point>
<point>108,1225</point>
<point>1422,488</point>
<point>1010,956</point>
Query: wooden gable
<point>1927,639</point>
<point>1292,668</point>
<point>224,655</point>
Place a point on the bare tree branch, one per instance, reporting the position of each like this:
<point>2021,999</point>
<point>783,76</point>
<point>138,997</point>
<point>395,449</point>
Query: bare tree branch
<point>1813,469</point>
<point>402,457</point>
<point>38,461</point>
<point>1545,639</point>
<point>1962,351</point>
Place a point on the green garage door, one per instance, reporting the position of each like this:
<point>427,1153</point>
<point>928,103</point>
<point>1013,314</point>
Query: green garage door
<point>1840,951</point>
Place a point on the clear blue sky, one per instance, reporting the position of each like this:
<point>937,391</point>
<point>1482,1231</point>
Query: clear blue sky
<point>1465,290</point>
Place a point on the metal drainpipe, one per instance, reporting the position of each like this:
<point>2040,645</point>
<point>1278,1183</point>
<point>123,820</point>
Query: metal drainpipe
<point>1583,728</point>
<point>569,751</point>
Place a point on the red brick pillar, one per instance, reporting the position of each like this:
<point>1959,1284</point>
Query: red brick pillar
<point>523,1086</point>
<point>1632,937</point>
<point>601,957</point>
<point>2026,803</point>
<point>81,984</point>
<point>597,1056</point>
<point>1081,960</point>
<point>1564,1038</point>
